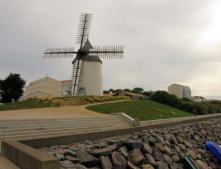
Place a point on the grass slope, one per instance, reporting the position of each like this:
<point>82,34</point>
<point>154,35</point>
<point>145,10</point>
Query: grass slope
<point>58,101</point>
<point>141,109</point>
<point>28,104</point>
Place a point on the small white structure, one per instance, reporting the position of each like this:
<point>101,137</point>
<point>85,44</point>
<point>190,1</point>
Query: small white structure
<point>198,99</point>
<point>66,87</point>
<point>180,91</point>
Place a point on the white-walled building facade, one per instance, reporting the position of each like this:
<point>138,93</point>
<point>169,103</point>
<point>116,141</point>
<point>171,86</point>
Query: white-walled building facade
<point>180,91</point>
<point>44,87</point>
<point>66,87</point>
<point>90,82</point>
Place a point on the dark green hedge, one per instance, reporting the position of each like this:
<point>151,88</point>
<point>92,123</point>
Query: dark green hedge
<point>185,104</point>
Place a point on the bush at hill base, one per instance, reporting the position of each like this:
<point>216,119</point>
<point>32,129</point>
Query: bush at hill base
<point>206,107</point>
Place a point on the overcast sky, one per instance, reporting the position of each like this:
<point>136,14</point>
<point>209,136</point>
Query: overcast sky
<point>166,41</point>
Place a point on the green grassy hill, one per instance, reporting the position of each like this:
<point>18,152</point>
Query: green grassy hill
<point>141,109</point>
<point>58,101</point>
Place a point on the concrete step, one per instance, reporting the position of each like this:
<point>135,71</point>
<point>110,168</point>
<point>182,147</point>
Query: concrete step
<point>57,120</point>
<point>40,127</point>
<point>8,127</point>
<point>52,121</point>
<point>13,129</point>
<point>75,132</point>
<point>2,124</point>
<point>12,132</point>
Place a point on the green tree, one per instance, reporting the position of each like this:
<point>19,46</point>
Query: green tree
<point>166,98</point>
<point>127,90</point>
<point>11,88</point>
<point>111,90</point>
<point>138,90</point>
<point>118,90</point>
<point>106,91</point>
<point>148,93</point>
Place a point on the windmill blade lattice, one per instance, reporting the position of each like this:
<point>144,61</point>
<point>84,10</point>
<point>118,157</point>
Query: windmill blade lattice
<point>84,28</point>
<point>76,75</point>
<point>59,53</point>
<point>108,52</point>
<point>86,49</point>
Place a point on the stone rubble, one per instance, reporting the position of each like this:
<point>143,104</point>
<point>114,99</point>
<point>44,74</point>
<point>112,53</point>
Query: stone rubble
<point>149,149</point>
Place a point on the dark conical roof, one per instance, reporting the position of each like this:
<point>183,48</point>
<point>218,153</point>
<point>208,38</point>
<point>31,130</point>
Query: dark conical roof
<point>87,46</point>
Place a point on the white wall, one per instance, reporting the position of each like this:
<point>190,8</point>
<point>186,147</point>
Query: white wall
<point>180,91</point>
<point>91,80</point>
<point>44,87</point>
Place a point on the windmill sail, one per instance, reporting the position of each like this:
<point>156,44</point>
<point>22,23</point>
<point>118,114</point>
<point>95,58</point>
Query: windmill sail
<point>76,75</point>
<point>108,52</point>
<point>82,39</point>
<point>84,27</point>
<point>87,62</point>
<point>59,53</point>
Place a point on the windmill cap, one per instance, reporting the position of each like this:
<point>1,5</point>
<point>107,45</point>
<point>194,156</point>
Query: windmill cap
<point>87,46</point>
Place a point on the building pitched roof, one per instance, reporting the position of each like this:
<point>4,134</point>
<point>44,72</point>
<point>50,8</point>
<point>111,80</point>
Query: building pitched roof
<point>131,94</point>
<point>65,81</point>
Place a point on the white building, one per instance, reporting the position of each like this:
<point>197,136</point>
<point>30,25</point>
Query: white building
<point>66,87</point>
<point>90,81</point>
<point>198,99</point>
<point>89,84</point>
<point>44,87</point>
<point>180,91</point>
<point>88,77</point>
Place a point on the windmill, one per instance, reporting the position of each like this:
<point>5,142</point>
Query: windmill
<point>87,65</point>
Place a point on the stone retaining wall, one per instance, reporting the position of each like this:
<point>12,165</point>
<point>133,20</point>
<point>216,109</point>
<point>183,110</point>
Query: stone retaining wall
<point>162,148</point>
<point>67,139</point>
<point>180,119</point>
<point>27,157</point>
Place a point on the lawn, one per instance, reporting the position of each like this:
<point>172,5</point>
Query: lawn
<point>141,109</point>
<point>58,101</point>
<point>28,104</point>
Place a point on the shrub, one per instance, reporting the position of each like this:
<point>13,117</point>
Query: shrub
<point>202,109</point>
<point>166,98</point>
<point>30,98</point>
<point>186,99</point>
<point>187,104</point>
<point>57,102</point>
<point>215,102</point>
<point>46,99</point>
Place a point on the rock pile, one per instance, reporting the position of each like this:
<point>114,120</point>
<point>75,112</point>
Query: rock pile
<point>151,149</point>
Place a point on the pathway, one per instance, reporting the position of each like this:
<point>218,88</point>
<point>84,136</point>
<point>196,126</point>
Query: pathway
<point>50,113</point>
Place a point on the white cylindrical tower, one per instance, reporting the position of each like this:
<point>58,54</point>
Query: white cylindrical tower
<point>90,81</point>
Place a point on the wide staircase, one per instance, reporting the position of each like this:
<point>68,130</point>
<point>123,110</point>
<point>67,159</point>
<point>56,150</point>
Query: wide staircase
<point>38,128</point>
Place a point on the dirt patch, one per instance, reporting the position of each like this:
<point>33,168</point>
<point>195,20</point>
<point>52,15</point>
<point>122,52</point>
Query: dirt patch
<point>50,113</point>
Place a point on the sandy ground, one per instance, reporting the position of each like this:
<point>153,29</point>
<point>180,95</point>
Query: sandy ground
<point>50,113</point>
